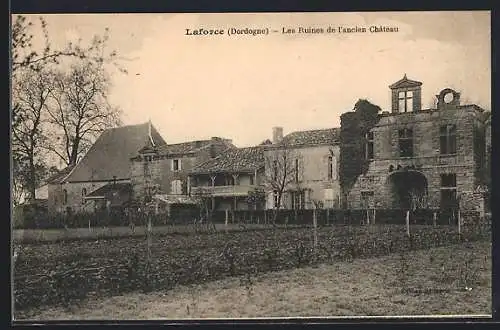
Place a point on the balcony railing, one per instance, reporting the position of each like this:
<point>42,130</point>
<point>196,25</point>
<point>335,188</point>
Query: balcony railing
<point>237,190</point>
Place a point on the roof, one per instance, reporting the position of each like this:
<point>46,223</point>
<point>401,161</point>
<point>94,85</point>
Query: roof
<point>57,178</point>
<point>110,155</point>
<point>175,199</point>
<point>405,82</point>
<point>327,136</point>
<point>185,147</point>
<point>233,160</point>
<point>110,188</point>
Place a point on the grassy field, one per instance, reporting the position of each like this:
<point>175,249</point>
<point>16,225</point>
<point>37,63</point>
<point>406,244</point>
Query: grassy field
<point>453,280</point>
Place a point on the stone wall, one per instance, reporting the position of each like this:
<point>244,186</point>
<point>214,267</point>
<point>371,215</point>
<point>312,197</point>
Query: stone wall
<point>313,175</point>
<point>427,159</point>
<point>159,172</point>
<point>74,196</point>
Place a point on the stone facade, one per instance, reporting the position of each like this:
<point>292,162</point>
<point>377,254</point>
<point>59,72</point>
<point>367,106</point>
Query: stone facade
<point>166,171</point>
<point>436,155</point>
<point>318,182</point>
<point>69,196</point>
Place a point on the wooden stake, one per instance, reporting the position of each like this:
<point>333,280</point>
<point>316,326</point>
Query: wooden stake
<point>408,223</point>
<point>459,222</point>
<point>315,225</point>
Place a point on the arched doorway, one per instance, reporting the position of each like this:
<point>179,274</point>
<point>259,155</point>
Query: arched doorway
<point>408,189</point>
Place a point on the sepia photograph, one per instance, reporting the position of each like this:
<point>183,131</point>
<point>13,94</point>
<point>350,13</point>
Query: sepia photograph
<point>221,166</point>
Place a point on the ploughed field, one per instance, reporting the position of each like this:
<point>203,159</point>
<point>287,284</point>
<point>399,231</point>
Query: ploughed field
<point>64,273</point>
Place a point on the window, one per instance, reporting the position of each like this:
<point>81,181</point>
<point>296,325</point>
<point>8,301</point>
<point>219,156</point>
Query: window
<point>369,146</point>
<point>275,169</point>
<point>449,191</point>
<point>176,164</point>
<point>405,142</point>
<point>405,99</point>
<point>84,193</point>
<point>296,170</point>
<point>298,199</point>
<point>65,197</point>
<point>448,139</point>
<point>275,198</point>
<point>176,188</point>
<point>366,199</point>
<point>330,167</point>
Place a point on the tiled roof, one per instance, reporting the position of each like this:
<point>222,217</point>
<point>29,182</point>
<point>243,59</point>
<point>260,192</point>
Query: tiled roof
<point>185,147</point>
<point>110,155</point>
<point>234,160</point>
<point>310,138</point>
<point>110,188</point>
<point>175,199</point>
<point>57,178</point>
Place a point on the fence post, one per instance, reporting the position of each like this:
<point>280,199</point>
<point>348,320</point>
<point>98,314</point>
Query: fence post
<point>459,219</point>
<point>315,224</point>
<point>374,215</point>
<point>327,217</point>
<point>408,223</point>
<point>227,218</point>
<point>434,219</point>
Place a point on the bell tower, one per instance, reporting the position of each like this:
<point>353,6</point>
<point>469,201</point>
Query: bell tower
<point>406,95</point>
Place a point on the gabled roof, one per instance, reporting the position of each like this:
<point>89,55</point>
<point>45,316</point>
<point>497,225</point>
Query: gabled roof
<point>233,160</point>
<point>405,83</point>
<point>317,137</point>
<point>110,155</point>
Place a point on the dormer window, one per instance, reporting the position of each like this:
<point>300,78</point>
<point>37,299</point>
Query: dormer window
<point>405,99</point>
<point>406,95</point>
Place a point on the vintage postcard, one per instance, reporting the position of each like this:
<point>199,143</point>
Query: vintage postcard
<point>249,166</point>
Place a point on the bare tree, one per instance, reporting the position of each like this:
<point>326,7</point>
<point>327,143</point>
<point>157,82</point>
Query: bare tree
<point>30,92</point>
<point>280,173</point>
<point>24,55</point>
<point>79,110</point>
<point>32,83</point>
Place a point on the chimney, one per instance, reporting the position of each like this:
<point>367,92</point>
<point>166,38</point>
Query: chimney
<point>277,134</point>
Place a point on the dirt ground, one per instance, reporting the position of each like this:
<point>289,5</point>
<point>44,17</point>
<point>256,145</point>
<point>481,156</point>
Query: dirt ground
<point>453,280</point>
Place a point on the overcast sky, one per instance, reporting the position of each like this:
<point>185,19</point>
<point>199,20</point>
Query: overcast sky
<point>240,87</point>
